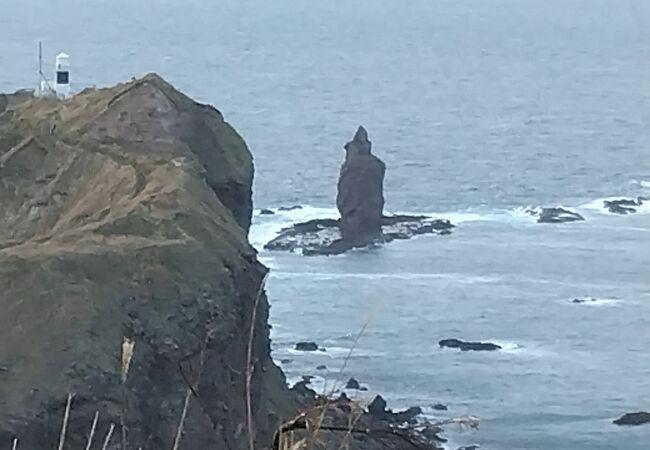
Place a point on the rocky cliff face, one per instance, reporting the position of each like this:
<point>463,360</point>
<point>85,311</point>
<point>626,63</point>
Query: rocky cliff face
<point>360,196</point>
<point>124,212</point>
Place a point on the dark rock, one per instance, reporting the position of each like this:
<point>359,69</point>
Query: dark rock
<point>470,447</point>
<point>440,407</point>
<point>555,215</point>
<point>266,212</point>
<point>432,433</point>
<point>378,409</point>
<point>467,346</point>
<point>321,367</point>
<point>623,206</point>
<point>286,361</point>
<point>583,300</point>
<point>636,418</point>
<point>289,208</point>
<point>408,415</point>
<point>353,384</point>
<point>363,389</point>
<point>307,346</point>
<point>307,378</point>
<point>378,406</point>
<point>302,390</point>
<point>360,191</point>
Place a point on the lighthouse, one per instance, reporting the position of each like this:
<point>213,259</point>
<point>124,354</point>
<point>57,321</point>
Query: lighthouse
<point>62,75</point>
<point>58,87</point>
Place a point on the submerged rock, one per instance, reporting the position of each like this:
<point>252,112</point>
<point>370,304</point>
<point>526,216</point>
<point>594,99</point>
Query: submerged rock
<point>584,300</point>
<point>267,212</point>
<point>440,407</point>
<point>623,206</point>
<point>555,215</point>
<point>467,346</point>
<point>636,418</point>
<point>289,208</point>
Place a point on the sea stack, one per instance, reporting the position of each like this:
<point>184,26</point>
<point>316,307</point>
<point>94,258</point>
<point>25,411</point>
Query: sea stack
<point>360,196</point>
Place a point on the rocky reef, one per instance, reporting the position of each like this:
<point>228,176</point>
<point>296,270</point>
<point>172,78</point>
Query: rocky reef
<point>124,213</point>
<point>624,205</point>
<point>360,201</point>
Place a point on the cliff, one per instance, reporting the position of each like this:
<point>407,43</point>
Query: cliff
<point>124,213</point>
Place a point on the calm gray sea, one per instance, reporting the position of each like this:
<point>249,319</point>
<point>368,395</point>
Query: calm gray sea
<point>480,108</point>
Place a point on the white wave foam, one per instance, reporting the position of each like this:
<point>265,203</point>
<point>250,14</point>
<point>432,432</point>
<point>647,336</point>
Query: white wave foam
<point>509,347</point>
<point>325,276</point>
<point>265,227</point>
<point>645,184</point>
<point>335,352</point>
<point>590,301</point>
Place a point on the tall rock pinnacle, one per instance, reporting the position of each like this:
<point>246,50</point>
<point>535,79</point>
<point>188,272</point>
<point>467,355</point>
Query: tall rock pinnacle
<point>360,197</point>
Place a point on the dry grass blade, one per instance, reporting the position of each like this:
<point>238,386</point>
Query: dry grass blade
<point>125,364</point>
<point>93,428</point>
<point>249,365</point>
<point>108,436</point>
<point>127,355</point>
<point>64,426</point>
<point>181,424</point>
<point>14,446</point>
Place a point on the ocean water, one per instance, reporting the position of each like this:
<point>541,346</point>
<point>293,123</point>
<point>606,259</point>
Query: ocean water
<point>480,109</point>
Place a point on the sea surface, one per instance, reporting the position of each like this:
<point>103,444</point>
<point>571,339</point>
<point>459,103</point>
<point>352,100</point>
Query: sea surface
<point>479,109</point>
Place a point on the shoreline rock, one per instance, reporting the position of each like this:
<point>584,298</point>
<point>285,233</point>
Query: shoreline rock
<point>379,409</point>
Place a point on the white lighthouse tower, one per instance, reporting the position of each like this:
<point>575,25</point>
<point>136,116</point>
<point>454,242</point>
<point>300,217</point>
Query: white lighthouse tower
<point>60,86</point>
<point>62,75</point>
